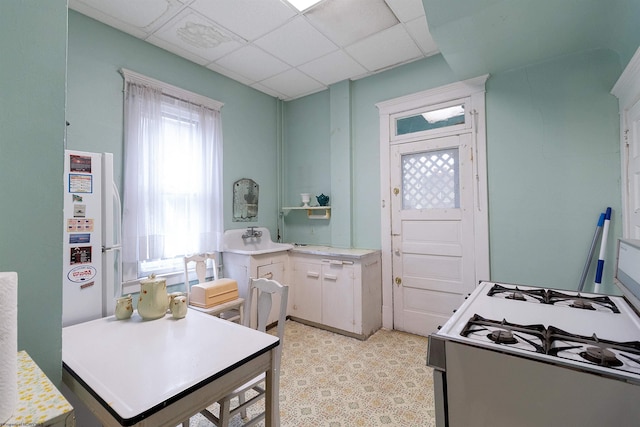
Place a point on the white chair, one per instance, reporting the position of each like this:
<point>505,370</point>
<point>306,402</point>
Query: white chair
<point>261,292</point>
<point>219,310</point>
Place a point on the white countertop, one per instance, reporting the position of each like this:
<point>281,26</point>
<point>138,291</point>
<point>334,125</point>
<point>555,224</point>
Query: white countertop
<point>134,365</point>
<point>331,251</point>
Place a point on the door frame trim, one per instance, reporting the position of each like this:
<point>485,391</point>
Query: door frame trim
<point>475,90</point>
<point>627,90</point>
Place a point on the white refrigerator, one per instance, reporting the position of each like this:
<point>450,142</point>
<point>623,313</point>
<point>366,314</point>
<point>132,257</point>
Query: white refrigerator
<point>92,263</point>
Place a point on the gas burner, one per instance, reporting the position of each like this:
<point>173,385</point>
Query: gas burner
<point>524,337</point>
<point>552,341</point>
<point>601,356</point>
<point>582,304</point>
<point>501,336</point>
<point>553,297</point>
<point>518,296</point>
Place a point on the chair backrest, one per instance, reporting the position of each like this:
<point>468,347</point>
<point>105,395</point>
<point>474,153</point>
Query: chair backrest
<point>262,292</point>
<point>201,268</point>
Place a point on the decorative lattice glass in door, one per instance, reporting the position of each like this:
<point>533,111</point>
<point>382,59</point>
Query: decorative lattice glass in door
<point>430,180</point>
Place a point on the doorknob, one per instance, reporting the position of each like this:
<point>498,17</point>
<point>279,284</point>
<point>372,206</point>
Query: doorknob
<point>396,190</point>
<point>397,252</point>
<point>398,281</point>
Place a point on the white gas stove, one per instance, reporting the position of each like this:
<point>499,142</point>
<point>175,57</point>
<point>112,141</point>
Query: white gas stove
<point>525,348</point>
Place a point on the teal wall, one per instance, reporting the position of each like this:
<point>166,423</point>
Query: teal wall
<point>95,108</point>
<point>33,43</point>
<point>309,132</point>
<point>552,134</point>
<point>554,165</point>
<point>553,160</point>
<point>306,166</point>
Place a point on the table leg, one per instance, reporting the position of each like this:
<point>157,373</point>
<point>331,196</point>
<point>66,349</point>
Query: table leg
<point>272,395</point>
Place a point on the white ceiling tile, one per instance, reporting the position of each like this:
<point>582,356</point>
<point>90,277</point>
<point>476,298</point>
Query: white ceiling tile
<point>296,42</point>
<point>139,18</point>
<point>228,73</point>
<point>388,48</point>
<point>258,42</point>
<point>194,33</point>
<point>268,91</point>
<point>253,63</point>
<point>247,18</point>
<point>332,68</point>
<point>178,50</point>
<point>406,10</point>
<point>420,32</point>
<point>335,19</point>
<point>292,83</point>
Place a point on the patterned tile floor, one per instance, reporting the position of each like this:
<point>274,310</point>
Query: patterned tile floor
<point>331,380</point>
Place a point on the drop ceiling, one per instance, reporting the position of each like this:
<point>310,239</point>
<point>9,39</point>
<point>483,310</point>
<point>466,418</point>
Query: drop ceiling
<point>271,46</point>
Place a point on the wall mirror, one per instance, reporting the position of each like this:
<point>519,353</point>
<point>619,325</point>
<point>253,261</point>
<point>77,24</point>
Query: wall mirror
<point>245,200</point>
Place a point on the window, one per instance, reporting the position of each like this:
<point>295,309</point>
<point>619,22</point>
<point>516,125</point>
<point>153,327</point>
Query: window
<point>434,119</point>
<point>172,203</point>
<point>430,180</point>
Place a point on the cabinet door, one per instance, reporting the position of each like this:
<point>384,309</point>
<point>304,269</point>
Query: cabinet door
<point>273,271</point>
<point>307,291</point>
<point>337,296</point>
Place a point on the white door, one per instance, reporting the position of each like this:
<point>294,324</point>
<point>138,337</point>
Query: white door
<point>435,245</point>
<point>633,171</point>
<point>432,230</point>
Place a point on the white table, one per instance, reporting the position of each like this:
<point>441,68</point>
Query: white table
<point>160,372</point>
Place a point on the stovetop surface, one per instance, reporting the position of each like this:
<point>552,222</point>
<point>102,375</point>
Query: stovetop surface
<point>591,331</point>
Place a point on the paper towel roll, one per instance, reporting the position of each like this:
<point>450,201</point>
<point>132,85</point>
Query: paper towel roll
<point>8,344</point>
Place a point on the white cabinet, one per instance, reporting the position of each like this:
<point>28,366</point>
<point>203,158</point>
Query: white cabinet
<point>241,268</point>
<point>340,289</point>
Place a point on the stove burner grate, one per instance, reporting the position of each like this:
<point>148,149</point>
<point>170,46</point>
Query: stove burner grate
<point>553,297</point>
<point>555,342</point>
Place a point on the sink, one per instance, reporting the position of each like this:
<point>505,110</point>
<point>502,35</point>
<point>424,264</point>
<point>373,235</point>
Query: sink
<point>234,243</point>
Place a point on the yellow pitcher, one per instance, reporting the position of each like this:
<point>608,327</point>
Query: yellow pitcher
<point>154,300</point>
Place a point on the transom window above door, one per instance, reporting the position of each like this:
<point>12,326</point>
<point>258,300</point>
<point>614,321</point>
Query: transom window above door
<point>446,117</point>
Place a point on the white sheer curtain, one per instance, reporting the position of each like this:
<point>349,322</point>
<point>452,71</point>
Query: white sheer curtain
<point>172,202</point>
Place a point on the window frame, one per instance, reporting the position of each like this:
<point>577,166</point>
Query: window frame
<point>174,277</point>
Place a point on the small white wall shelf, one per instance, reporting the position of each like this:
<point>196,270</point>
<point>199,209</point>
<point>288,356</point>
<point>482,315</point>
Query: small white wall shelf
<point>310,210</point>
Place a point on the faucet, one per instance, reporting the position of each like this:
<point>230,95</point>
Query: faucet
<point>251,232</point>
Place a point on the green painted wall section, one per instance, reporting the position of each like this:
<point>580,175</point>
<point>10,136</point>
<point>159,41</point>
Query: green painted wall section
<point>479,37</point>
<point>33,44</point>
<point>306,165</point>
<point>95,108</point>
<point>554,165</point>
<point>310,144</point>
<point>553,159</point>
<point>552,133</point>
<point>340,146</point>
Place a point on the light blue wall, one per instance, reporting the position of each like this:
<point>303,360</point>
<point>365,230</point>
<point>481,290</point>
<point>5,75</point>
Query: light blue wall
<point>554,165</point>
<point>95,108</point>
<point>307,146</point>
<point>553,159</point>
<point>33,43</point>
<point>306,166</point>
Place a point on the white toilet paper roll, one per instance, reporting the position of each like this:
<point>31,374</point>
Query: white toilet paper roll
<point>8,344</point>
